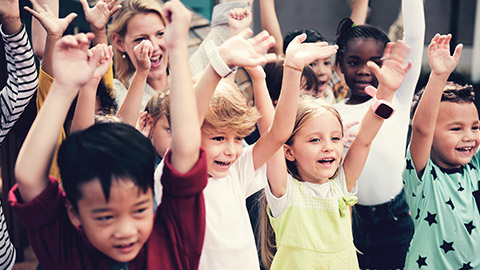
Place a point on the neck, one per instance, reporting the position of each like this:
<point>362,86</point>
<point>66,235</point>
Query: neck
<point>358,99</point>
<point>159,84</point>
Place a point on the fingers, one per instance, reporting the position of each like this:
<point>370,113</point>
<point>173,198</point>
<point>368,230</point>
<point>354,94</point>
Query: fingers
<point>347,126</point>
<point>374,67</point>
<point>85,5</point>
<point>458,52</point>
<point>70,17</point>
<point>263,41</point>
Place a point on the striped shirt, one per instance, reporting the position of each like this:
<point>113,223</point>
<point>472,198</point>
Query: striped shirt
<point>22,81</point>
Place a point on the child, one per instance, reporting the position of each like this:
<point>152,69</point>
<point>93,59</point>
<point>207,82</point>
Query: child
<point>382,225</point>
<point>441,175</point>
<point>309,207</point>
<point>105,220</point>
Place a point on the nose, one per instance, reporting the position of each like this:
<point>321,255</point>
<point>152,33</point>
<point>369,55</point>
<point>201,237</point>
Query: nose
<point>327,146</point>
<point>229,147</point>
<point>125,229</point>
<point>364,70</point>
<point>470,135</point>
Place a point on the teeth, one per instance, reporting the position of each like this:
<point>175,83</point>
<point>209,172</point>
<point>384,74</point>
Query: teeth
<point>326,160</point>
<point>153,59</point>
<point>222,163</point>
<point>465,148</point>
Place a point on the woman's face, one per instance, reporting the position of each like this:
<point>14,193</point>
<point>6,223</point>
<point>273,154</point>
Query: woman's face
<point>146,26</point>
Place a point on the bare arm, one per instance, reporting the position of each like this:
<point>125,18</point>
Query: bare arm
<point>270,23</point>
<point>359,11</point>
<point>425,118</point>
<point>39,34</point>
<point>390,77</point>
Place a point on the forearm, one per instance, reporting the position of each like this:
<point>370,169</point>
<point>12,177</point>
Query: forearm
<point>130,107</point>
<point>185,124</point>
<point>204,89</point>
<point>270,23</point>
<point>49,48</point>
<point>263,104</point>
<point>11,25</point>
<point>84,115</point>
<point>33,162</point>
<point>359,11</point>
<point>100,36</point>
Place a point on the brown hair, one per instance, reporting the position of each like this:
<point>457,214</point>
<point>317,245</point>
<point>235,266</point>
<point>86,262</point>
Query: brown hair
<point>123,66</point>
<point>229,110</point>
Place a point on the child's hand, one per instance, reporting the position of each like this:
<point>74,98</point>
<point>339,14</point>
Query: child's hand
<point>73,65</point>
<point>98,16</point>
<point>142,124</point>
<point>439,57</point>
<point>240,51</point>
<point>143,52</point>
<point>53,25</point>
<point>238,19</point>
<point>393,71</point>
<point>349,134</point>
<point>299,54</point>
<point>106,53</point>
<point>178,23</point>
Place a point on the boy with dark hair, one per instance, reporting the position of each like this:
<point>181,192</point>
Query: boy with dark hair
<point>106,220</point>
<point>441,175</point>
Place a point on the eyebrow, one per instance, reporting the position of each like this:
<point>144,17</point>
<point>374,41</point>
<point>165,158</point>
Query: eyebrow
<point>106,209</point>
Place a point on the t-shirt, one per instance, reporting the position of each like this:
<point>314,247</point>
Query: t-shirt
<point>445,215</point>
<point>229,241</point>
<point>175,243</point>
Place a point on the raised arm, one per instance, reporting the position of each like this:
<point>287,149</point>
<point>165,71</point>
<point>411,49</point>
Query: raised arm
<point>22,77</point>
<point>359,11</point>
<point>269,19</point>
<point>425,118</point>
<point>298,55</point>
<point>130,107</point>
<point>390,77</point>
<point>70,55</point>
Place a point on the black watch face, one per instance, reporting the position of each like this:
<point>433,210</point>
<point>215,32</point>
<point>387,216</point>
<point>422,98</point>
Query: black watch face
<point>384,111</point>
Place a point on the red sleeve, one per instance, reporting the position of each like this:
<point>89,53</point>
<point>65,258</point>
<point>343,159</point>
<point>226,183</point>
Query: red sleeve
<point>179,229</point>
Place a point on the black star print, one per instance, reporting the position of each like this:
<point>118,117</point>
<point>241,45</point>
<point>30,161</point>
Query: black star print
<point>434,174</point>
<point>422,261</point>
<point>469,226</point>
<point>413,195</point>
<point>447,246</point>
<point>409,164</point>
<point>460,188</point>
<point>466,266</point>
<point>431,218</point>
<point>449,202</point>
<point>472,167</point>
<point>418,214</point>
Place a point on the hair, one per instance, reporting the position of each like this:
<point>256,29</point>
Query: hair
<point>312,37</point>
<point>108,105</point>
<point>123,66</point>
<point>308,108</point>
<point>274,78</point>
<point>347,30</point>
<point>229,111</point>
<point>452,92</point>
<point>105,152</point>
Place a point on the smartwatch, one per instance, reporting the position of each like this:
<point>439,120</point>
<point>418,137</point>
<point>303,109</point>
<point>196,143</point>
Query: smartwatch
<point>380,108</point>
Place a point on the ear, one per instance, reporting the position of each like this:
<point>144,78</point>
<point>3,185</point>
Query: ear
<point>118,42</point>
<point>340,65</point>
<point>73,215</point>
<point>149,125</point>
<point>288,153</point>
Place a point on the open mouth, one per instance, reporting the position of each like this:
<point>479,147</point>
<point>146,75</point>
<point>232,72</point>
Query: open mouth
<point>125,248</point>
<point>156,61</point>
<point>464,149</point>
<point>223,163</point>
<point>326,161</point>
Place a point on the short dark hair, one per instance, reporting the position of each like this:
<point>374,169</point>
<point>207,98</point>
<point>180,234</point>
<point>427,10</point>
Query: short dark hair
<point>452,92</point>
<point>105,152</point>
<point>312,37</point>
<point>347,31</point>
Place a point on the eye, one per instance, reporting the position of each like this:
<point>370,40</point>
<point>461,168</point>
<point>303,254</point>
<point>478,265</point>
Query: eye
<point>138,40</point>
<point>475,128</point>
<point>352,63</point>
<point>104,218</point>
<point>336,138</point>
<point>313,64</point>
<point>218,138</point>
<point>314,140</point>
<point>160,34</point>
<point>327,63</point>
<point>141,210</point>
<point>238,139</point>
<point>169,130</point>
<point>378,62</point>
<point>455,129</point>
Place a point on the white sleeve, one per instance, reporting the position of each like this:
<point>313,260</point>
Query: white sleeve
<point>250,180</point>
<point>22,79</point>
<point>280,204</point>
<point>414,35</point>
<point>342,182</point>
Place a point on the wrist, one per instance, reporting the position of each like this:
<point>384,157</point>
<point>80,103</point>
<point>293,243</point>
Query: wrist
<point>439,76</point>
<point>11,25</point>
<point>219,59</point>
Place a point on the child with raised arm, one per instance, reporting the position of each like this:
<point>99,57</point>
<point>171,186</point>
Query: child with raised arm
<point>105,220</point>
<point>441,175</point>
<point>309,205</point>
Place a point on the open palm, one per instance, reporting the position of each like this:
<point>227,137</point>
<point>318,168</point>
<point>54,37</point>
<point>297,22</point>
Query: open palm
<point>51,23</point>
<point>99,15</point>
<point>441,62</point>
<point>299,54</point>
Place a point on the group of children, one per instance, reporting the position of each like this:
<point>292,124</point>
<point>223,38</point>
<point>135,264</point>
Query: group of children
<point>166,188</point>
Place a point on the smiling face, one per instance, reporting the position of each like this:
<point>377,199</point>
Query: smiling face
<point>120,227</point>
<point>323,70</point>
<point>146,26</point>
<point>354,66</point>
<point>161,136</point>
<point>223,148</point>
<point>317,148</point>
<point>456,136</point>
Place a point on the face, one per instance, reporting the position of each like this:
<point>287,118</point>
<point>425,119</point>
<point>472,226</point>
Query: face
<point>223,149</point>
<point>119,227</point>
<point>354,64</point>
<point>456,136</point>
<point>317,149</point>
<point>323,70</point>
<point>146,26</point>
<point>161,136</point>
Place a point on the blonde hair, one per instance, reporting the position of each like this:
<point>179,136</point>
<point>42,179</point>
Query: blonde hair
<point>229,110</point>
<point>308,108</point>
<point>123,66</point>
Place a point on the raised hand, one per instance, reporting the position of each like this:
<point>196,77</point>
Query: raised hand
<point>52,24</point>
<point>73,65</point>
<point>393,69</point>
<point>98,16</point>
<point>105,53</point>
<point>143,51</point>
<point>240,51</point>
<point>239,19</point>
<point>178,23</point>
<point>441,62</point>
<point>299,54</point>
